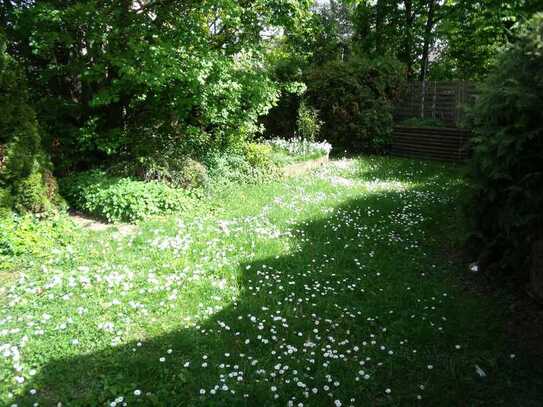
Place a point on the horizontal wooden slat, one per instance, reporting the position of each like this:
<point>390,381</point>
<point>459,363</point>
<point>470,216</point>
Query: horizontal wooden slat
<point>424,156</point>
<point>415,152</point>
<point>428,147</point>
<point>446,138</point>
<point>438,130</point>
<point>445,146</point>
<point>441,150</point>
<point>449,144</point>
<point>430,141</point>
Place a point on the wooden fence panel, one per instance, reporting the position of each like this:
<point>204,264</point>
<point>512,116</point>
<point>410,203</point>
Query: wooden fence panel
<point>447,144</point>
<point>441,100</point>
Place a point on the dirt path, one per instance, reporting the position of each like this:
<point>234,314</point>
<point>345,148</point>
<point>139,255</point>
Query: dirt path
<point>95,225</point>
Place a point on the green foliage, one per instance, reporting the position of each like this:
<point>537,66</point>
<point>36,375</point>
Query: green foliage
<point>286,67</point>
<point>26,181</point>
<point>192,174</point>
<point>508,149</point>
<point>258,155</point>
<point>6,201</point>
<point>461,35</point>
<point>172,169</point>
<point>121,199</point>
<point>474,35</point>
<point>355,100</point>
<point>308,123</point>
<point>31,192</point>
<point>130,80</point>
<point>252,165</point>
<point>26,235</point>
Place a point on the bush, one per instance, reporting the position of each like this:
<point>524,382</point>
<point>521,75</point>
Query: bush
<point>252,165</point>
<point>27,235</point>
<point>355,100</point>
<point>175,171</point>
<point>508,153</point>
<point>6,202</point>
<point>121,199</point>
<point>286,67</point>
<point>26,181</point>
<point>308,123</point>
<point>180,84</point>
<point>258,155</point>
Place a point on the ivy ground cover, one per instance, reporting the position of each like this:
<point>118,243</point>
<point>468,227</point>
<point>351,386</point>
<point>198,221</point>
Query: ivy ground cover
<point>331,289</point>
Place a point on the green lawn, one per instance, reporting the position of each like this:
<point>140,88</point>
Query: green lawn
<point>333,289</point>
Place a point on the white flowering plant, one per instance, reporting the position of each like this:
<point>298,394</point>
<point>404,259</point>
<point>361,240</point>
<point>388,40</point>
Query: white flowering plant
<point>298,149</point>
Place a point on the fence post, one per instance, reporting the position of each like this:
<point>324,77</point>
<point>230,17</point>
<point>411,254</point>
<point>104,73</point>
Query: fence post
<point>422,99</point>
<point>434,100</point>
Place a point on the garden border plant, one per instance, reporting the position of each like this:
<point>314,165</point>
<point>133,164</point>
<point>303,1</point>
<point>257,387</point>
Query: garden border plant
<point>508,148</point>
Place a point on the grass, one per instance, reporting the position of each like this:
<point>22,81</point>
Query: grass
<point>281,157</point>
<point>331,289</point>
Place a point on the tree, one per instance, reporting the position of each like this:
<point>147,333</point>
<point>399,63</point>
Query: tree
<point>26,182</point>
<point>441,39</point>
<point>131,78</point>
<point>471,34</point>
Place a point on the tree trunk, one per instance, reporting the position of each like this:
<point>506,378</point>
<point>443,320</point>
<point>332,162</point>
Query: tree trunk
<point>408,37</point>
<point>428,37</point>
<point>426,52</point>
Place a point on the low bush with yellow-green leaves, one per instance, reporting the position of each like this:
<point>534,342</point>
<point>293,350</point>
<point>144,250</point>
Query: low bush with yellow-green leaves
<point>25,236</point>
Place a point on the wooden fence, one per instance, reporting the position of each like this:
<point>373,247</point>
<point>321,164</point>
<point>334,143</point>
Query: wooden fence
<point>446,144</point>
<point>441,100</point>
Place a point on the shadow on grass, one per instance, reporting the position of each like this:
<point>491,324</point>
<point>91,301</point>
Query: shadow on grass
<point>244,348</point>
<point>391,168</point>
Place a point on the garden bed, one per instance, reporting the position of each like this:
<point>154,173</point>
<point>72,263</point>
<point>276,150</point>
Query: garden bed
<point>292,170</point>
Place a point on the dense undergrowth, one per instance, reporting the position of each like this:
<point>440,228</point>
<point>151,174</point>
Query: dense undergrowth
<point>126,193</point>
<point>507,166</point>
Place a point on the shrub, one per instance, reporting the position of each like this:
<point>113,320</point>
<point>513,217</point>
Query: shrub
<point>355,100</point>
<point>508,152</point>
<point>6,201</point>
<point>38,192</point>
<point>192,174</point>
<point>121,199</point>
<point>28,235</point>
<point>252,165</point>
<point>286,67</point>
<point>258,155</point>
<point>176,171</point>
<point>308,123</point>
<point>26,181</point>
